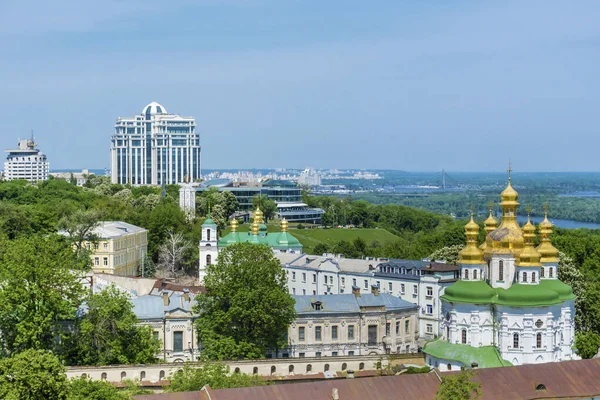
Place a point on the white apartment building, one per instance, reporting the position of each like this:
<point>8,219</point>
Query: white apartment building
<point>418,282</point>
<point>309,177</point>
<point>155,148</point>
<point>26,162</point>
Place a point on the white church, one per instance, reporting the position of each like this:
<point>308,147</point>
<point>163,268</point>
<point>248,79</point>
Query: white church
<point>508,308</point>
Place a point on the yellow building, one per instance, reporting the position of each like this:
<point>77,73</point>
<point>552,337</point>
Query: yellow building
<point>120,249</point>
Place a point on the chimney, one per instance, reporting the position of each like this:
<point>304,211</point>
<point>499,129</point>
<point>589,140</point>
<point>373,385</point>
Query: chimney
<point>350,374</point>
<point>474,365</point>
<point>375,290</point>
<point>165,296</point>
<point>186,294</point>
<point>334,394</point>
<point>356,291</point>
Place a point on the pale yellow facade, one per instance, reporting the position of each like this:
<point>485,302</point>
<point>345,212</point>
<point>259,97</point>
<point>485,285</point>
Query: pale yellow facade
<point>120,249</point>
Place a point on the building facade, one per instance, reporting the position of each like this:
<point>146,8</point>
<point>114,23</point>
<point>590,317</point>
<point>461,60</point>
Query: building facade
<point>155,148</point>
<point>77,178</point>
<point>26,162</point>
<point>352,324</point>
<point>508,301</point>
<point>120,248</point>
<point>309,177</point>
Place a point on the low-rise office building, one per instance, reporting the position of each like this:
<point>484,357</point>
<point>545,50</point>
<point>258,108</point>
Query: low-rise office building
<point>352,324</point>
<point>26,162</point>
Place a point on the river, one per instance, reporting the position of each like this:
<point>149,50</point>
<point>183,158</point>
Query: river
<point>561,223</point>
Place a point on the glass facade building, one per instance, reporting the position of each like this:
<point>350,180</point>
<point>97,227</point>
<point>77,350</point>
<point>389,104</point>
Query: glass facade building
<point>155,147</point>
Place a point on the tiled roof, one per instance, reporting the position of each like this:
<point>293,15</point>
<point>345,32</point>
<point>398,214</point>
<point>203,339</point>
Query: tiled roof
<point>564,380</point>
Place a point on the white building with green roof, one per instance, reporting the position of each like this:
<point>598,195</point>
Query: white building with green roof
<point>509,307</point>
<point>210,244</point>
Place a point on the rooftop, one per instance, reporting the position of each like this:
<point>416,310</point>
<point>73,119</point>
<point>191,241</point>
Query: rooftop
<point>485,356</point>
<point>349,303</point>
<point>115,229</point>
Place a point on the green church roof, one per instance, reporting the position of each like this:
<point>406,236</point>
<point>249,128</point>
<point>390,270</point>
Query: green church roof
<point>208,221</point>
<point>565,292</point>
<point>276,240</point>
<point>474,292</point>
<point>527,296</point>
<point>485,356</point>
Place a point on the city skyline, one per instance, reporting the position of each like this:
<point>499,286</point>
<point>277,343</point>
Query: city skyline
<point>415,86</point>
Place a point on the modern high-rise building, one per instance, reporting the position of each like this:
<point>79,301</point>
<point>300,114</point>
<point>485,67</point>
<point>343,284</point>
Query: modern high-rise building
<point>26,162</point>
<point>155,147</point>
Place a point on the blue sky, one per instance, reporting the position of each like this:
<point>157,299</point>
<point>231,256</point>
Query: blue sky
<point>413,85</point>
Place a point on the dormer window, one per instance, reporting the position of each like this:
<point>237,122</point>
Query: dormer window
<point>317,305</point>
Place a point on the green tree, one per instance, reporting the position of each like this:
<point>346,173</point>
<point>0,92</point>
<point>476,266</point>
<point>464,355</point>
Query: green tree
<point>33,374</point>
<point>148,268</point>
<point>585,317</point>
<point>447,253</point>
<point>321,248</point>
<point>87,389</point>
<point>79,227</point>
<point>216,375</point>
<point>459,387</point>
<point>41,286</point>
<point>360,246</point>
<point>246,308</point>
<point>108,333</point>
<point>266,205</point>
<point>587,344</point>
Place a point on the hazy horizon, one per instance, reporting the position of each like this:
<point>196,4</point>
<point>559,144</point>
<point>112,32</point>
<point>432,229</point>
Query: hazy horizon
<point>415,86</point>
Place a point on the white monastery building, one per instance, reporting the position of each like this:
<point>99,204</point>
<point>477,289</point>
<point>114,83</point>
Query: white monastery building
<point>155,148</point>
<point>26,162</point>
<point>509,307</point>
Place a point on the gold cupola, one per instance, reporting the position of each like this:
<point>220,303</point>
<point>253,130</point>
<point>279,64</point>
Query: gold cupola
<point>548,252</point>
<point>471,254</point>
<point>258,216</point>
<point>529,256</point>
<point>507,238</point>
<point>284,225</point>
<point>490,224</point>
<point>234,225</point>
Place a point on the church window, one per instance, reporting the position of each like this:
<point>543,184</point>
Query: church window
<point>208,259</point>
<point>539,323</point>
<point>542,272</point>
<point>515,340</point>
<point>464,336</point>
<point>538,340</point>
<point>449,366</point>
<point>501,270</point>
<point>550,271</point>
<point>533,277</point>
<point>466,274</point>
<point>524,276</point>
<point>208,234</point>
<point>475,274</point>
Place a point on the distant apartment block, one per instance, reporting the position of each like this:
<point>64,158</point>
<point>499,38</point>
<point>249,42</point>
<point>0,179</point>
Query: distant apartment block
<point>120,249</point>
<point>26,162</point>
<point>77,178</point>
<point>309,177</point>
<point>155,147</point>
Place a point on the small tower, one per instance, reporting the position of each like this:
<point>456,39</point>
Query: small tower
<point>208,249</point>
<point>187,200</point>
<point>549,253</point>
<point>528,264</point>
<point>490,225</point>
<point>470,258</point>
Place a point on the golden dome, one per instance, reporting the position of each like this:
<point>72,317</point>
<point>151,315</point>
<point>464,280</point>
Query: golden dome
<point>234,225</point>
<point>548,252</point>
<point>507,238</point>
<point>471,254</point>
<point>490,224</point>
<point>258,215</point>
<point>255,227</point>
<point>284,225</point>
<point>529,256</point>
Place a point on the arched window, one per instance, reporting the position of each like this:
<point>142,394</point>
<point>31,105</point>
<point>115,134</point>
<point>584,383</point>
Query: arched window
<point>524,277</point>
<point>273,369</point>
<point>161,375</point>
<point>103,376</point>
<point>542,272</point>
<point>550,272</point>
<point>463,336</point>
<point>466,274</point>
<point>255,370</point>
<point>291,369</point>
<point>344,366</point>
<point>533,277</point>
<point>208,259</point>
<point>208,234</point>
<point>308,368</point>
<point>515,340</point>
<point>501,270</point>
<point>326,368</point>
<point>123,375</point>
<point>449,366</point>
<point>475,274</point>
<point>237,370</point>
<point>83,375</point>
<point>361,366</point>
<point>142,375</point>
<point>538,340</point>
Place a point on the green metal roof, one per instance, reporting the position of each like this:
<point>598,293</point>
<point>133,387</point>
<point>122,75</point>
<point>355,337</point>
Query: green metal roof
<point>546,293</point>
<point>474,292</point>
<point>485,356</point>
<point>276,240</point>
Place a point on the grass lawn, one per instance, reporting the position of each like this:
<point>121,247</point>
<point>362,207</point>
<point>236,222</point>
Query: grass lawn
<point>311,237</point>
